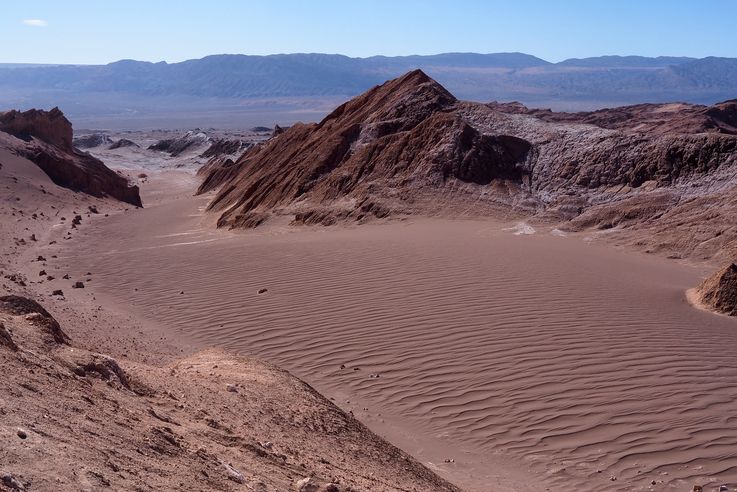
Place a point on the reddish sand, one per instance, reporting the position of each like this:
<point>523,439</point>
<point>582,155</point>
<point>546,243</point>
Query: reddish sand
<point>529,362</point>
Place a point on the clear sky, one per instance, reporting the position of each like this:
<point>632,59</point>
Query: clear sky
<point>101,31</point>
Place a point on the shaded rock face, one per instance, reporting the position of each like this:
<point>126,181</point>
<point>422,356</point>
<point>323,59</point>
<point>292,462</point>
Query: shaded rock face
<point>46,140</point>
<point>51,127</point>
<point>719,291</point>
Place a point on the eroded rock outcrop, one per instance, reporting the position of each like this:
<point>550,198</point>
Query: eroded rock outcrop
<point>658,119</point>
<point>51,127</point>
<point>719,291</point>
<point>45,138</point>
<point>122,143</point>
<point>402,135</point>
<point>409,147</point>
<point>183,143</point>
<point>91,141</point>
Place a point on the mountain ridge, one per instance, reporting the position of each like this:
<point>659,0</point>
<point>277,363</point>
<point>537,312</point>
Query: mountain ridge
<point>306,84</point>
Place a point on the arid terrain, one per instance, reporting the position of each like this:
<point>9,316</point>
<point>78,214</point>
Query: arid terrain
<point>517,299</point>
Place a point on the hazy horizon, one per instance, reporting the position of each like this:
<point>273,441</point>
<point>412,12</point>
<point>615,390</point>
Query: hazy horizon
<point>379,55</point>
<point>91,33</point>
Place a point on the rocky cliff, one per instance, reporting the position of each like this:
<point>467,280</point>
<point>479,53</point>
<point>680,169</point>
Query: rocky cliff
<point>45,138</point>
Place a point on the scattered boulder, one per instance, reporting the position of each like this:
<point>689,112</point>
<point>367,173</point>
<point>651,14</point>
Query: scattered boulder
<point>57,292</point>
<point>102,366</point>
<point>233,474</point>
<point>78,285</point>
<point>12,483</point>
<point>307,484</point>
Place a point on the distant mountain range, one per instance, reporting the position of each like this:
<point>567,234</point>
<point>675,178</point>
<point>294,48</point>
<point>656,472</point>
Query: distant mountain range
<point>303,86</point>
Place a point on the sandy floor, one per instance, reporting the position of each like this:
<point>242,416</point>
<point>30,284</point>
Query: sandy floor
<point>527,361</point>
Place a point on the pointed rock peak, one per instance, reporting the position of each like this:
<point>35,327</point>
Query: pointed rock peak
<point>406,100</point>
<point>416,80</point>
<point>416,76</point>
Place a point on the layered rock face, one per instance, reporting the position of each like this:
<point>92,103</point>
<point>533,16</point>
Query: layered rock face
<point>45,138</point>
<point>409,147</point>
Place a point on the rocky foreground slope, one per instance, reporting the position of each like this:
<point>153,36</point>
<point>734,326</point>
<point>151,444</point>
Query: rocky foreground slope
<point>75,419</point>
<point>661,177</point>
<point>45,138</point>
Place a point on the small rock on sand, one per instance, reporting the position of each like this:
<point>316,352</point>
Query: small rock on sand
<point>11,482</point>
<point>78,285</point>
<point>263,291</point>
<point>22,434</point>
<point>307,485</point>
<point>234,474</point>
<point>57,292</point>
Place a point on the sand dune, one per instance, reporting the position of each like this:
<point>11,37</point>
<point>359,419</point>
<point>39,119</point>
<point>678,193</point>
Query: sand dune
<point>526,359</point>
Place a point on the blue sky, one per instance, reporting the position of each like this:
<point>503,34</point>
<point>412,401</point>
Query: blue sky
<point>81,31</point>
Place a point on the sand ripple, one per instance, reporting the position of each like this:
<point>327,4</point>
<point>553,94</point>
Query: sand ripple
<point>581,362</point>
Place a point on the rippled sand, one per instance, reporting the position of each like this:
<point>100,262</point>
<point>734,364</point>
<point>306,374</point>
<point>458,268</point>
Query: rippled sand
<point>509,354</point>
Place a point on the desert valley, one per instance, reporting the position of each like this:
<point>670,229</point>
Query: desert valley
<point>318,273</point>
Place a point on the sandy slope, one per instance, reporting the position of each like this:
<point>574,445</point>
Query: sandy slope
<point>532,361</point>
<point>119,404</point>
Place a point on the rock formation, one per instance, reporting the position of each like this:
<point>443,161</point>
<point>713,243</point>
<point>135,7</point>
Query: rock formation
<point>45,138</point>
<point>123,142</point>
<point>660,119</point>
<point>177,146</point>
<point>409,147</point>
<point>719,291</point>
<point>225,146</point>
<point>50,127</point>
<point>91,141</point>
